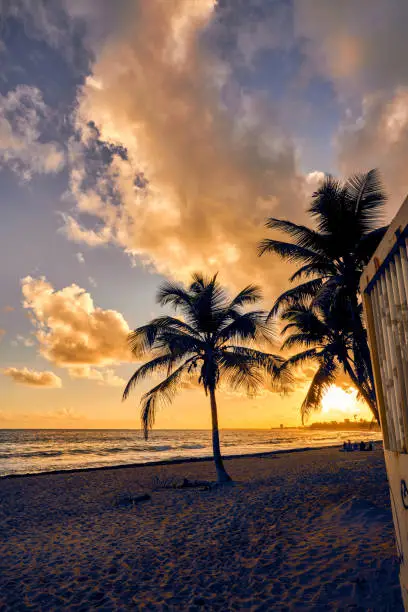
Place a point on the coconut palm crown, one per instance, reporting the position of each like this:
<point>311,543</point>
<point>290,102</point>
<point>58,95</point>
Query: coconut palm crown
<point>216,338</point>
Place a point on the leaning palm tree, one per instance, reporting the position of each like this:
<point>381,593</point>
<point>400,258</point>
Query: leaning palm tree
<point>331,256</point>
<point>215,339</point>
<point>325,338</point>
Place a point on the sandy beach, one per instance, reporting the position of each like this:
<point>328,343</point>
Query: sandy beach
<point>297,531</point>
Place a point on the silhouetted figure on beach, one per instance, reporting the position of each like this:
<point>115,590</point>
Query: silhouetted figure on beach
<point>363,446</point>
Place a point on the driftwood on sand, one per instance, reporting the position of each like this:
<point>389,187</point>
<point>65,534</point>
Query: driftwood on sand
<point>184,483</point>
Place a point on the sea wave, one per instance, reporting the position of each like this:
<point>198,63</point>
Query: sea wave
<point>90,451</point>
<point>27,455</point>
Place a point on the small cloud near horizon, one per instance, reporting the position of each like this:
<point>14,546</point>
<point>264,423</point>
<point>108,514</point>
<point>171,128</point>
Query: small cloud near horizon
<point>34,378</point>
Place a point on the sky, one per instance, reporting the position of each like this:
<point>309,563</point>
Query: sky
<point>147,139</point>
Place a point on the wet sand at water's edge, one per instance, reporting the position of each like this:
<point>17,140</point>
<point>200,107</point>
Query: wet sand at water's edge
<point>302,531</point>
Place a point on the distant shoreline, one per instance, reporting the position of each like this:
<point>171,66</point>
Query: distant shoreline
<point>170,462</point>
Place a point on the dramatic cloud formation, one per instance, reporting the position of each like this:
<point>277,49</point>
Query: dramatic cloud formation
<point>193,182</point>
<point>22,112</point>
<point>32,378</point>
<point>194,121</point>
<point>70,330</point>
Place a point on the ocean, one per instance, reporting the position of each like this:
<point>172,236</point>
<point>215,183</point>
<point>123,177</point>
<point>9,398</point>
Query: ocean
<point>28,451</point>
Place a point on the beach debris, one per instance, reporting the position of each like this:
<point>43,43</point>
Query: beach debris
<point>203,485</point>
<point>126,500</point>
<point>184,483</point>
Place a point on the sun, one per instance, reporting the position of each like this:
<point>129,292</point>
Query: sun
<point>343,403</point>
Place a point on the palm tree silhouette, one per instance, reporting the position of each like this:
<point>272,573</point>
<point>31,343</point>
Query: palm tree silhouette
<point>216,339</point>
<point>331,258</point>
<point>324,339</point>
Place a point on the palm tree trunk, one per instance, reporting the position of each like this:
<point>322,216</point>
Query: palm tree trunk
<point>367,397</point>
<point>222,475</point>
<point>359,333</point>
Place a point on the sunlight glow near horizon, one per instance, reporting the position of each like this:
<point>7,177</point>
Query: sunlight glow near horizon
<point>341,402</point>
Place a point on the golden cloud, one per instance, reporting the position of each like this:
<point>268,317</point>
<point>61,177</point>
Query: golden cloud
<point>210,176</point>
<point>70,329</point>
<point>33,378</point>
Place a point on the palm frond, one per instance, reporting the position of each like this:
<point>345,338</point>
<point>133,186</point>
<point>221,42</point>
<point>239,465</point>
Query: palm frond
<point>328,205</point>
<point>304,236</point>
<point>299,339</point>
<point>330,294</point>
<point>366,196</point>
<point>297,295</point>
<point>240,371</point>
<point>175,295</point>
<point>142,339</point>
<point>322,270</point>
<point>269,363</point>
<point>250,326</point>
<point>249,295</point>
<point>322,380</point>
<point>199,282</point>
<point>209,306</point>
<point>163,392</point>
<point>178,343</point>
<point>288,251</point>
<point>147,369</point>
<point>302,358</point>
